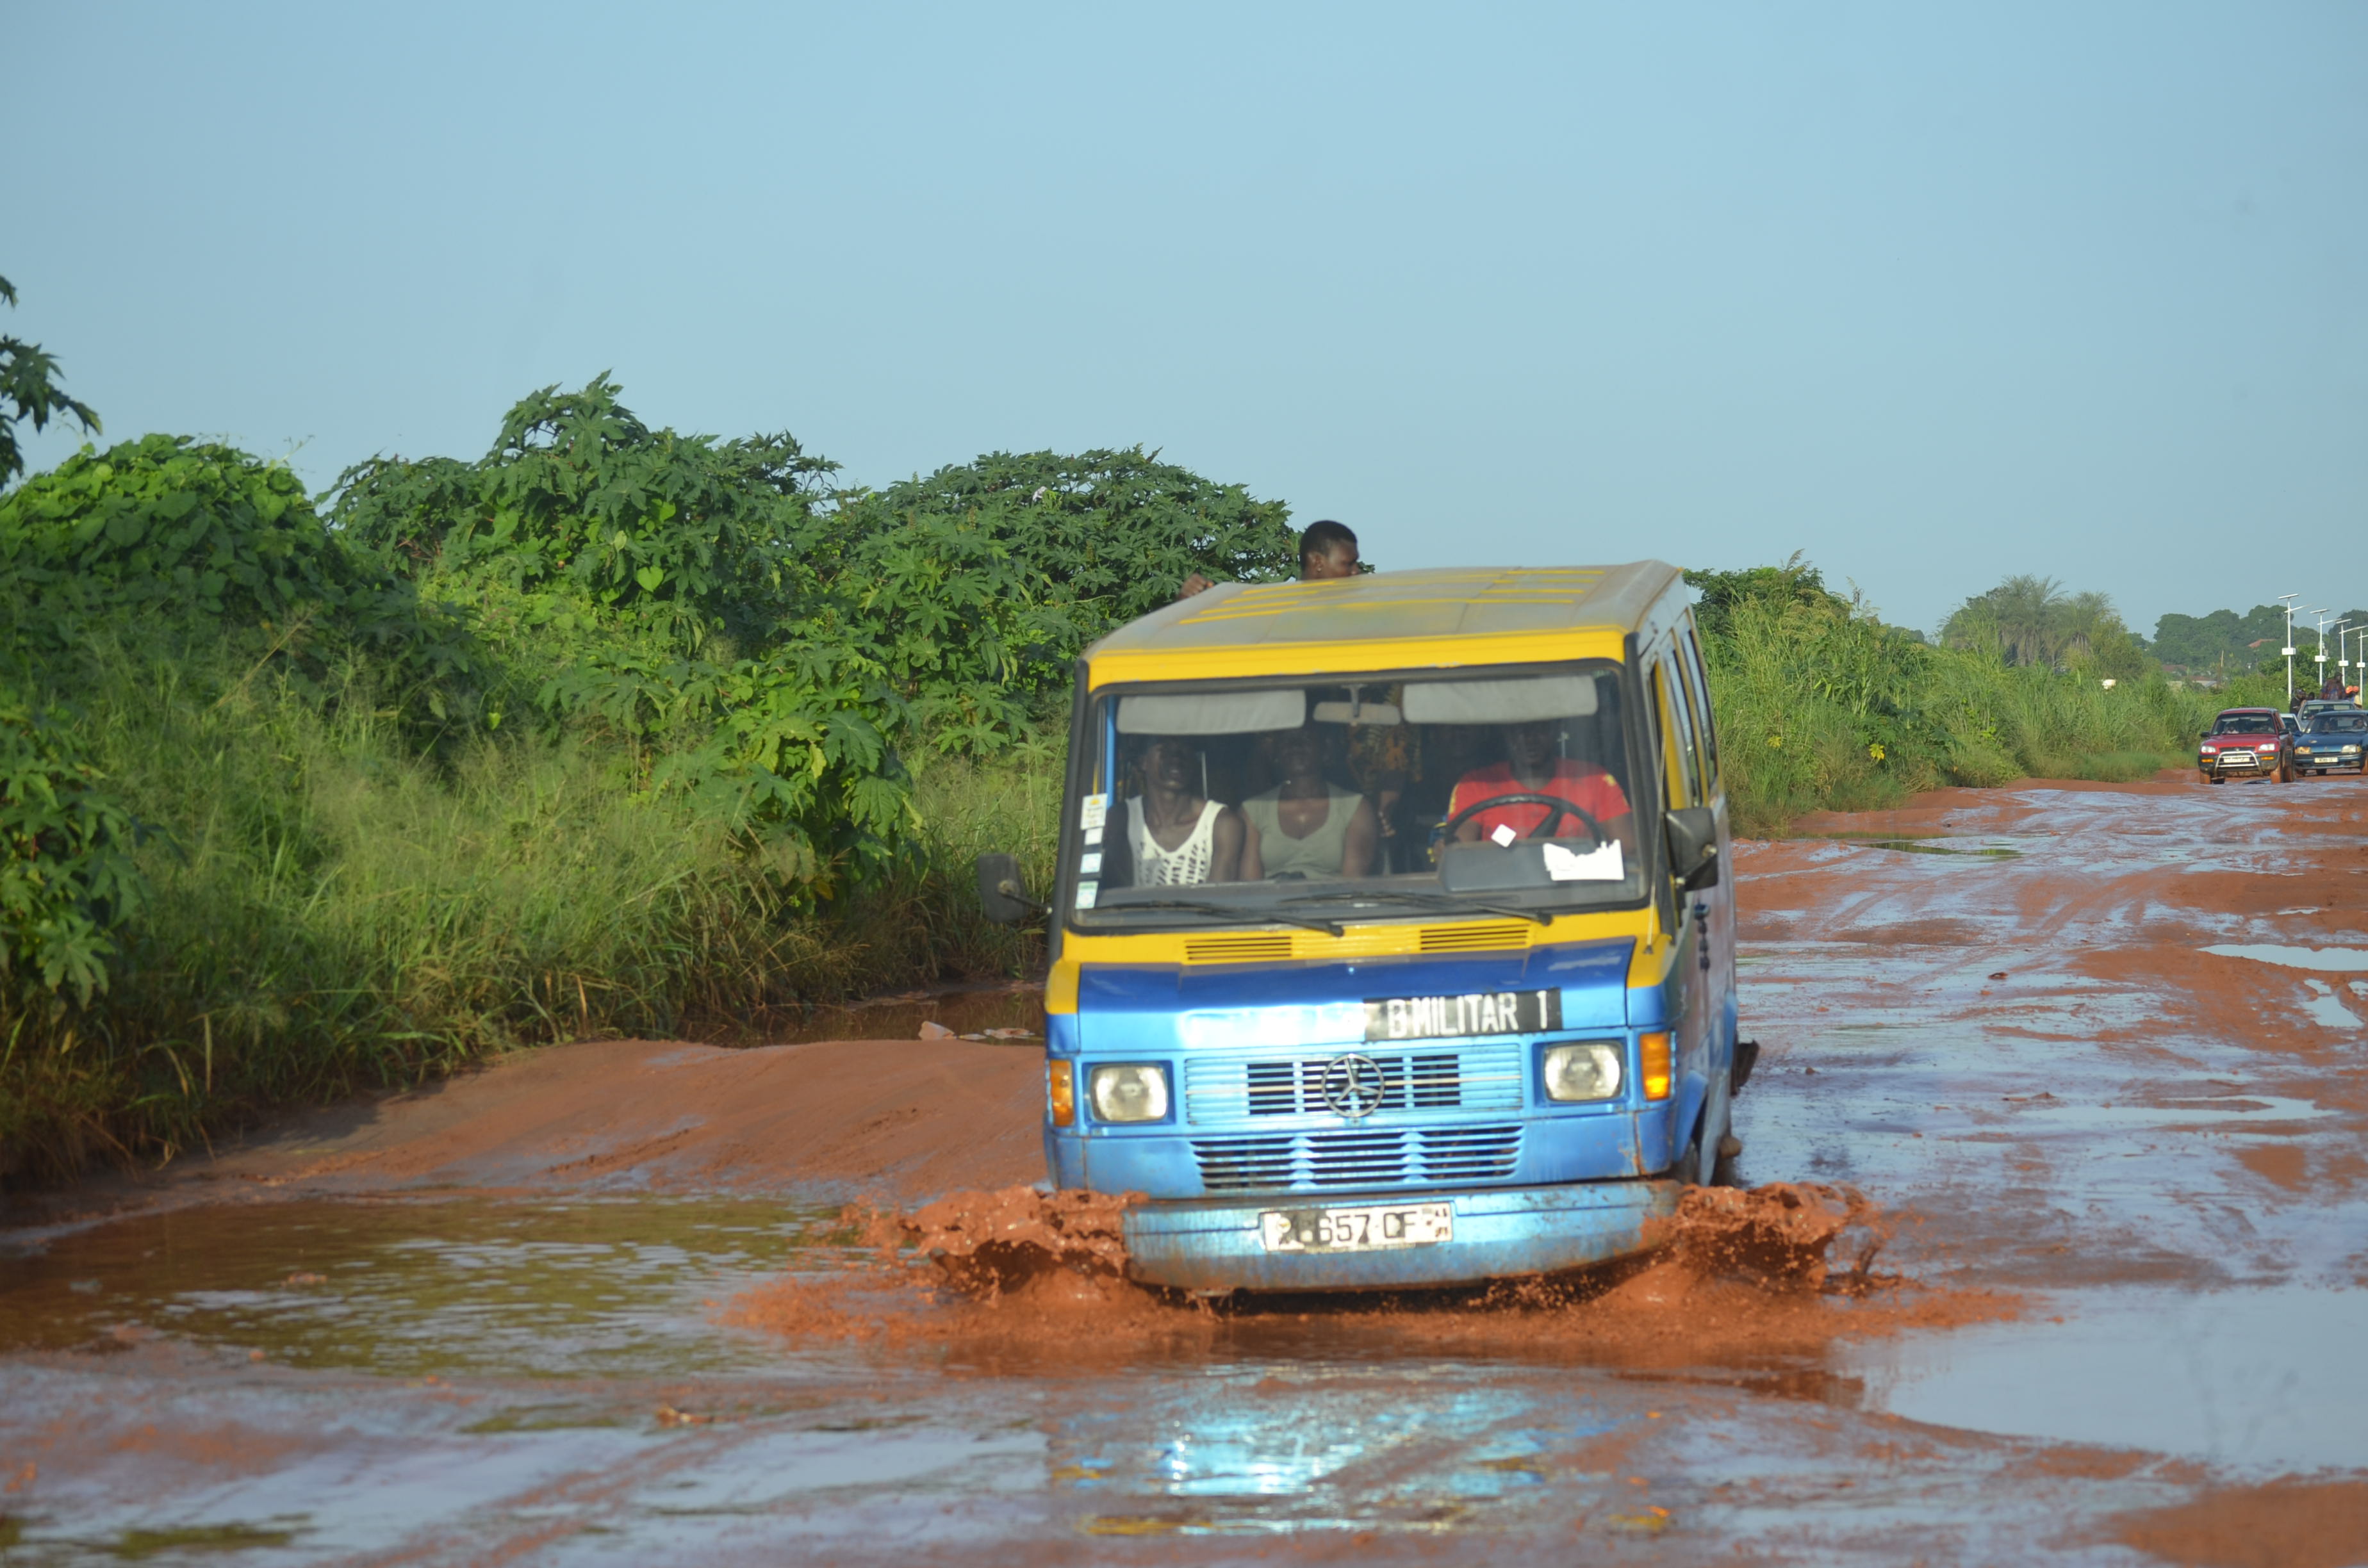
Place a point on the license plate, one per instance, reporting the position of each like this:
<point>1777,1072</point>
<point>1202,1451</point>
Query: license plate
<point>1357,1230</point>
<point>1471,1013</point>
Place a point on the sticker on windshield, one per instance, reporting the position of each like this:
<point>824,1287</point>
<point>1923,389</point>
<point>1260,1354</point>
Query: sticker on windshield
<point>1087,892</point>
<point>1092,811</point>
<point>1601,864</point>
<point>1091,865</point>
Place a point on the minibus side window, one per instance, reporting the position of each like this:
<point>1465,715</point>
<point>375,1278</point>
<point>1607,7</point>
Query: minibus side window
<point>1677,738</point>
<point>1688,729</point>
<point>1698,685</point>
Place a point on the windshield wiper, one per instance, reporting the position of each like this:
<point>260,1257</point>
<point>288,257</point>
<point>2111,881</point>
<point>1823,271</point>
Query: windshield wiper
<point>1426,901</point>
<point>1239,916</point>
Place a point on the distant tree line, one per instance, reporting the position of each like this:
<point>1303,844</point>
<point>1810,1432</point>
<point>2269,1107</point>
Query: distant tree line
<point>2224,643</point>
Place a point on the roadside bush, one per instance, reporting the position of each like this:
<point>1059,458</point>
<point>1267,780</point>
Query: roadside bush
<point>1822,707</point>
<point>587,512</point>
<point>329,909</point>
<point>605,732</point>
<point>179,539</point>
<point>67,876</point>
<point>1071,546</point>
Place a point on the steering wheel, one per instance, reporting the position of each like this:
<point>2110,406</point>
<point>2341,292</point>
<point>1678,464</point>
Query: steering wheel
<point>1556,808</point>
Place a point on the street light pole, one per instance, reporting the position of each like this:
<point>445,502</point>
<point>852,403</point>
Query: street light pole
<point>2321,655</point>
<point>2287,600</point>
<point>2342,664</point>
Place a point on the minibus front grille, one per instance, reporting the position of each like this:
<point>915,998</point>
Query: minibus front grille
<point>1220,1088</point>
<point>1430,1156</point>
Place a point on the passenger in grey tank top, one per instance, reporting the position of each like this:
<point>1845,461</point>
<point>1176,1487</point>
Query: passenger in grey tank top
<point>1305,826</point>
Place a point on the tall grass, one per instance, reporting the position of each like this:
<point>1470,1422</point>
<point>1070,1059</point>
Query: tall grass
<point>1823,709</point>
<point>335,911</point>
<point>336,907</point>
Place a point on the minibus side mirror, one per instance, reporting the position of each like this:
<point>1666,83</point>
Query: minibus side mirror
<point>1692,835</point>
<point>1001,895</point>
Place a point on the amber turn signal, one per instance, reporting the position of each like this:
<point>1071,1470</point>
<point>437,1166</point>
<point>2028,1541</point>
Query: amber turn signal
<point>1653,1053</point>
<point>1061,1086</point>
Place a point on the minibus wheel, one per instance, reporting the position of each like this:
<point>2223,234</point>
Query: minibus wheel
<point>1689,1166</point>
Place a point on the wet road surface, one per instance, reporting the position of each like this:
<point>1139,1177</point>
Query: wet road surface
<point>2096,1052</point>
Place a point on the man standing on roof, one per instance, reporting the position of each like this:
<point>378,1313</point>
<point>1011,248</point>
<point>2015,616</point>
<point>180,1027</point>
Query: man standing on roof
<point>1326,550</point>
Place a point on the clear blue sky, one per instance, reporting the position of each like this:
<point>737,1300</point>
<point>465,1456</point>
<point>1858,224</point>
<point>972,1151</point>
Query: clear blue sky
<point>2079,290</point>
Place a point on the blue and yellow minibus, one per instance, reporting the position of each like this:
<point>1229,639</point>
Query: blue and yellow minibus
<point>1390,946</point>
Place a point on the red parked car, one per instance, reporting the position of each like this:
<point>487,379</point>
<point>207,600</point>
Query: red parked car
<point>2246,743</point>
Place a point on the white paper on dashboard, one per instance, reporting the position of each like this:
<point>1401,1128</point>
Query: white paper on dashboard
<point>1601,864</point>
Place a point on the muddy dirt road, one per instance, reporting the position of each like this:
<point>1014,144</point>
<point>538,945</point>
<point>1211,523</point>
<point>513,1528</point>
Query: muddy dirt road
<point>2099,1054</point>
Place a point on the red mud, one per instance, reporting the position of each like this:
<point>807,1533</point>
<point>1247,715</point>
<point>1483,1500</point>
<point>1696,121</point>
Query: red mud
<point>2289,1523</point>
<point>1736,1275</point>
<point>988,1243</point>
<point>901,1117</point>
<point>1014,1263</point>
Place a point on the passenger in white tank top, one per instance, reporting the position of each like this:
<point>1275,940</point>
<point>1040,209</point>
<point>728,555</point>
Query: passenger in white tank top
<point>1178,836</point>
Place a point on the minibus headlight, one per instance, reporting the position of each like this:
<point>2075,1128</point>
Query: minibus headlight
<point>1134,1092</point>
<point>1588,1071</point>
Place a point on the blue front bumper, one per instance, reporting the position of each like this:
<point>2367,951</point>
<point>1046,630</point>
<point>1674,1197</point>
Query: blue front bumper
<point>1214,1244</point>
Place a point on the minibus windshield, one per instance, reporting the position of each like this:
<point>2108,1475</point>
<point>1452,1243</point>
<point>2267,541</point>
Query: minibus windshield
<point>1313,801</point>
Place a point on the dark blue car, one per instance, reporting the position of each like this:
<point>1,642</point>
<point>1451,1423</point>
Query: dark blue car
<point>2334,740</point>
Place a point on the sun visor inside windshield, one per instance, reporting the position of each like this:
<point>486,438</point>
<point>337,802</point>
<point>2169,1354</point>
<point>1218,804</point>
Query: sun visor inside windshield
<point>1517,701</point>
<point>1211,712</point>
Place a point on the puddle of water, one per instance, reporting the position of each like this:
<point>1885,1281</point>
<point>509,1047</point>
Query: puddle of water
<point>2250,1109</point>
<point>1345,1452</point>
<point>1926,844</point>
<point>2268,1377</point>
<point>2336,960</point>
<point>2326,1007</point>
<point>411,1288</point>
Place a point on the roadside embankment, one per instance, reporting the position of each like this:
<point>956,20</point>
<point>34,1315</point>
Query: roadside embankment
<point>894,1120</point>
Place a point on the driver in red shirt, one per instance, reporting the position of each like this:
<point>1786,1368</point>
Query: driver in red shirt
<point>1535,765</point>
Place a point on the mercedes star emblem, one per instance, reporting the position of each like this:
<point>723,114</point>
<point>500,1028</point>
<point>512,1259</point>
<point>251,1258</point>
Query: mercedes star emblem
<point>1352,1086</point>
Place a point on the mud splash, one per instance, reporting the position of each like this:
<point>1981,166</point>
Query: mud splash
<point>1012,1263</point>
<point>990,1243</point>
<point>1779,1236</point>
<point>1783,1270</point>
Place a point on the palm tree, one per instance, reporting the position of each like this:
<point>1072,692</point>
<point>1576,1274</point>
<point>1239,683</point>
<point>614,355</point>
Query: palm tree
<point>2020,618</point>
<point>2032,620</point>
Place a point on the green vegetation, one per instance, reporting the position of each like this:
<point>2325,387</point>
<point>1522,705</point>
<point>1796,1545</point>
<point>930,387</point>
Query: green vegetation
<point>29,382</point>
<point>2031,624</point>
<point>1821,706</point>
<point>2225,643</point>
<point>613,730</point>
<point>617,729</point>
